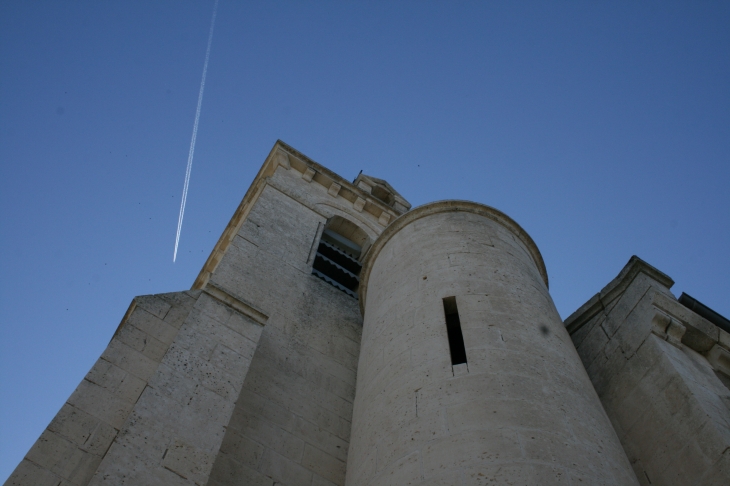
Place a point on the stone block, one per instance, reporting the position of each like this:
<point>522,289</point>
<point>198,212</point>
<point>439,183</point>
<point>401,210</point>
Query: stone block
<point>152,325</point>
<point>404,472</point>
<point>28,473</point>
<point>321,439</point>
<point>188,461</point>
<point>142,342</point>
<point>202,372</point>
<point>177,315</point>
<point>494,414</point>
<point>116,380</point>
<point>593,344</point>
<point>213,308</point>
<point>700,334</point>
<point>578,336</point>
<point>719,357</point>
<point>233,362</point>
<point>282,159</point>
<point>245,326</point>
<point>102,403</point>
<point>174,384</point>
<point>202,327</point>
<point>308,174</point>
<point>196,340</point>
<point>522,473</point>
<point>334,189</point>
<point>469,448</point>
<point>130,360</point>
<point>229,472</point>
<point>273,412</point>
<point>169,419</point>
<point>153,304</point>
<point>269,435</point>
<point>460,369</point>
<point>83,430</point>
<point>724,339</point>
<point>399,441</point>
<point>106,375</point>
<point>359,204</point>
<point>320,481</point>
<point>61,457</point>
<point>299,397</point>
<point>626,302</point>
<point>131,463</point>
<point>242,449</point>
<point>209,405</point>
<point>324,464</point>
<point>284,470</point>
<point>384,219</point>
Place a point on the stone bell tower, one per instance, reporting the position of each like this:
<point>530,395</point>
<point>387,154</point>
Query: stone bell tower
<point>336,337</point>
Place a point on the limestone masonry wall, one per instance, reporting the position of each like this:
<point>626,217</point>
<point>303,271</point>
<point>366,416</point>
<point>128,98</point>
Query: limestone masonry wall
<point>266,375</point>
<point>658,369</point>
<point>153,408</point>
<point>291,425</point>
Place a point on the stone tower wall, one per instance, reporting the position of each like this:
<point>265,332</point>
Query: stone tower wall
<point>291,425</point>
<point>520,411</point>
<point>659,369</point>
<point>247,379</point>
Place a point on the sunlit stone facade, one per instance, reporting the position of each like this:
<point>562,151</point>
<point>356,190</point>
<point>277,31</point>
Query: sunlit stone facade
<point>335,336</point>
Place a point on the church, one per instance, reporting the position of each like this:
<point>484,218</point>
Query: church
<point>337,336</point>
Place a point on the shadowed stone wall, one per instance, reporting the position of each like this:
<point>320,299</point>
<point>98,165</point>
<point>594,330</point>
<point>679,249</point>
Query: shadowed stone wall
<point>659,369</point>
<point>291,425</point>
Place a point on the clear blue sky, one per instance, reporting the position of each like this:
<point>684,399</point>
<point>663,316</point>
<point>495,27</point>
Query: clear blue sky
<point>602,128</point>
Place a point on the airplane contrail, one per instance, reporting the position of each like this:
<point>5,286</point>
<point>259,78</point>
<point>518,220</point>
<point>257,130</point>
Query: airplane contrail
<point>195,132</point>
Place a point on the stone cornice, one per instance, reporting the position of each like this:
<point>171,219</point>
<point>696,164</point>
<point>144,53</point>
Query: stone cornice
<point>445,207</point>
<point>613,290</point>
<point>289,158</point>
<point>234,302</point>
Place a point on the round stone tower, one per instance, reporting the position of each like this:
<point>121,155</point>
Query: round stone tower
<point>467,374</point>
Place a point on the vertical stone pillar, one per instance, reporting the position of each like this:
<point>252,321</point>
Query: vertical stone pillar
<point>521,410</point>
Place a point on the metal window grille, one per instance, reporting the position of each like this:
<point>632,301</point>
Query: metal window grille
<point>336,262</point>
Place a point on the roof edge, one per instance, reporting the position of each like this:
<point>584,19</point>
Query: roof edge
<point>438,207</point>
<point>613,290</point>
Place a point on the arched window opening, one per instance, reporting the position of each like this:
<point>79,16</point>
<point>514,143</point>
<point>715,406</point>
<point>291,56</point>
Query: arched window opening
<point>337,260</point>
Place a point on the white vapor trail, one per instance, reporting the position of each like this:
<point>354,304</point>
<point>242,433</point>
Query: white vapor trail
<point>195,132</point>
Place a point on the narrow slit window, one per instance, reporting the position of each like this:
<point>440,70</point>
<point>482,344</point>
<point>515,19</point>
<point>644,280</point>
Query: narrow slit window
<point>453,329</point>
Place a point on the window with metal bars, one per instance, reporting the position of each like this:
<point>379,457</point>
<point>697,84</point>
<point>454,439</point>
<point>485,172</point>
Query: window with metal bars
<point>336,262</point>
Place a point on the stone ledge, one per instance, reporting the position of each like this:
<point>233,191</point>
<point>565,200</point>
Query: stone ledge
<point>700,335</point>
<point>613,290</point>
<point>235,303</point>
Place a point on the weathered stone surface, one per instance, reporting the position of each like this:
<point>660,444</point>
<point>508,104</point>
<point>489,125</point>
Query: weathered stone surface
<point>665,400</point>
<point>29,473</point>
<point>188,461</point>
<point>264,374</point>
<point>505,413</point>
<point>177,425</point>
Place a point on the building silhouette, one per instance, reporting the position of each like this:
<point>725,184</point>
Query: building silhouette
<point>337,336</point>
